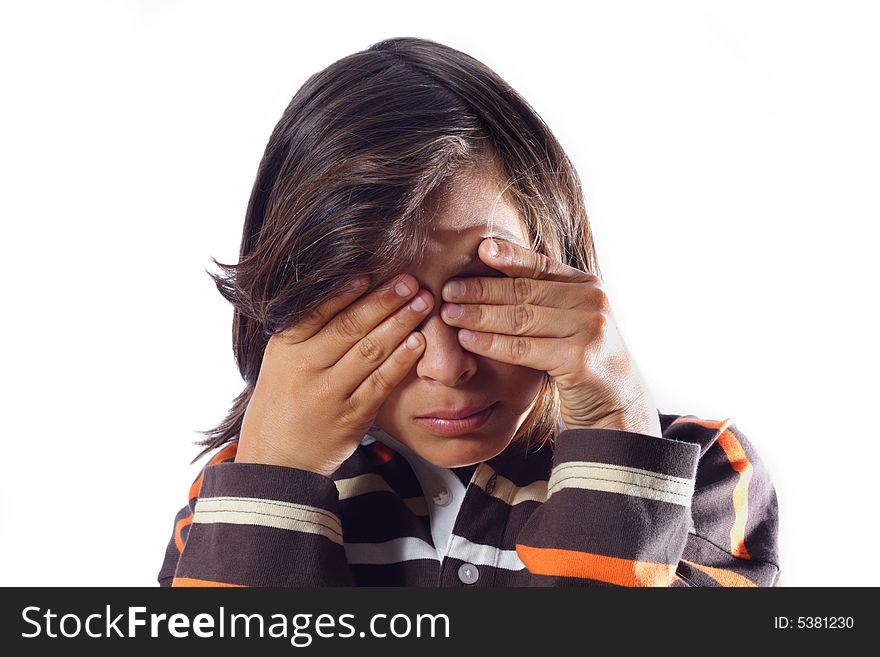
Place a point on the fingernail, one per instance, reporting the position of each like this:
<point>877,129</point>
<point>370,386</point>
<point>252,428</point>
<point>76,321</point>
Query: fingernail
<point>454,310</point>
<point>493,248</point>
<point>466,335</point>
<point>403,289</point>
<point>454,289</point>
<point>418,304</point>
<point>355,284</point>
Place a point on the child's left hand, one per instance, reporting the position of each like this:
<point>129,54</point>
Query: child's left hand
<point>555,318</point>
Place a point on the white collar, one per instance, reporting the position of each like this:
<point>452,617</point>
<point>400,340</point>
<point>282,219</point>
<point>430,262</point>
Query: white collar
<point>444,491</point>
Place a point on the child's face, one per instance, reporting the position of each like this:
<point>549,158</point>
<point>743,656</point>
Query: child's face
<point>447,375</point>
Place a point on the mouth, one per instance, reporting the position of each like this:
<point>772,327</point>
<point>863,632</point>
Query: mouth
<point>451,426</point>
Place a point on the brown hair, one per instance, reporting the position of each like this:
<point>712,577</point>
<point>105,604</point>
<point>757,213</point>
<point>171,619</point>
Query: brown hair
<point>344,180</point>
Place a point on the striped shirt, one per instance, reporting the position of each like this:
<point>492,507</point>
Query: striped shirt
<point>597,507</point>
<point>445,487</point>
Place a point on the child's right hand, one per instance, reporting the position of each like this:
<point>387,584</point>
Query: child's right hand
<point>322,381</point>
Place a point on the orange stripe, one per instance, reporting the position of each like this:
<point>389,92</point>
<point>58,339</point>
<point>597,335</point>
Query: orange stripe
<point>189,581</point>
<point>382,453</point>
<point>740,462</point>
<point>178,528</point>
<point>736,455</point>
<point>573,563</point>
<point>723,577</point>
<point>227,453</point>
<point>224,454</point>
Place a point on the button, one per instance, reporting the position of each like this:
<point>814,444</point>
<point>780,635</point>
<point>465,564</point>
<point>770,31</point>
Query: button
<point>468,573</point>
<point>442,497</point>
<point>490,485</point>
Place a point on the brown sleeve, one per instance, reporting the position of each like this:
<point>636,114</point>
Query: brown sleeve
<point>629,509</point>
<point>249,524</point>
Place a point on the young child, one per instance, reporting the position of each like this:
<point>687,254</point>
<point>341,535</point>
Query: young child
<point>468,414</point>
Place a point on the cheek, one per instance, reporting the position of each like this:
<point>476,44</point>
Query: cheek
<point>391,407</point>
<point>520,384</point>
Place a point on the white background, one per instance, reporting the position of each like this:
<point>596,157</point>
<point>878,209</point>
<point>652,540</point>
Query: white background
<point>729,154</point>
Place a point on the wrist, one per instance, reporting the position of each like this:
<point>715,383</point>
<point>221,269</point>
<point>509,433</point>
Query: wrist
<point>262,456</point>
<point>642,422</point>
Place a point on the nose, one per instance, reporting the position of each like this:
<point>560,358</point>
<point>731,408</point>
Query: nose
<point>444,359</point>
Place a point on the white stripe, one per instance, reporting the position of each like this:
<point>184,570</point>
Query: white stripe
<point>484,555</point>
<point>410,548</point>
<point>268,513</point>
<point>623,480</point>
<point>507,491</point>
<point>374,483</point>
<point>361,485</point>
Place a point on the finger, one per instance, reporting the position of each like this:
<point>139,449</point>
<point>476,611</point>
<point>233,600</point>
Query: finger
<point>542,354</point>
<point>375,389</point>
<point>516,260</point>
<point>521,319</point>
<point>370,352</point>
<point>517,291</point>
<point>352,323</point>
<point>318,318</point>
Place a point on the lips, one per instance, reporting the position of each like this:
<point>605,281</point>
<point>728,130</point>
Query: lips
<point>456,412</point>
<point>472,420</point>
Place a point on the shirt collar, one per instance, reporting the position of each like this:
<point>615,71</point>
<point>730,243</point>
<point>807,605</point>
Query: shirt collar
<point>464,473</point>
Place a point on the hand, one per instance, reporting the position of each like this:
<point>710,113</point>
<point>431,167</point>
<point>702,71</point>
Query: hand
<point>322,381</point>
<point>552,317</point>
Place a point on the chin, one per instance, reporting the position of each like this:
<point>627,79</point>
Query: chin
<point>460,451</point>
